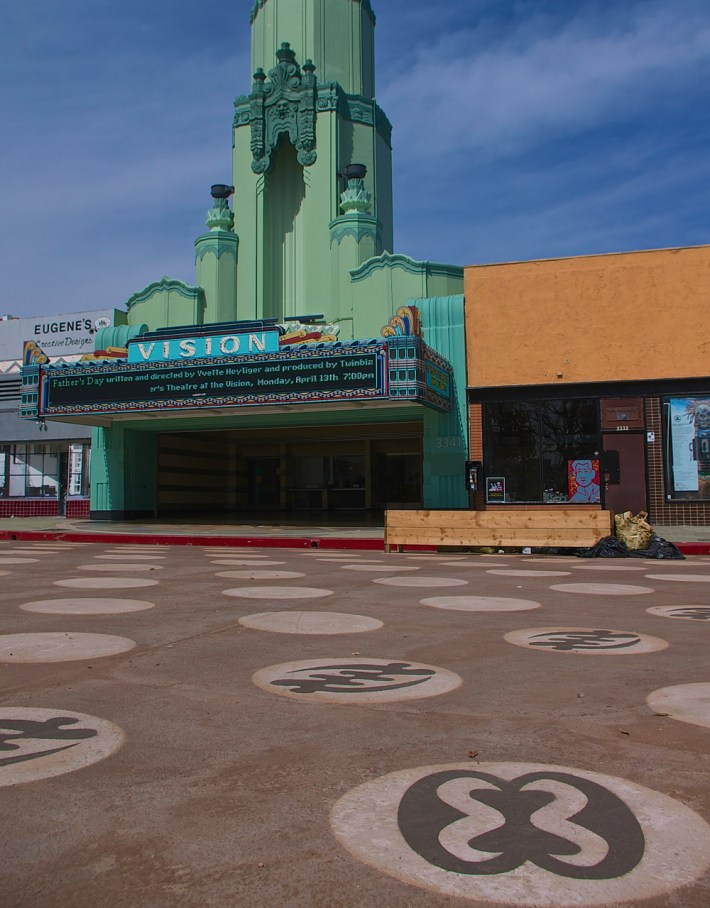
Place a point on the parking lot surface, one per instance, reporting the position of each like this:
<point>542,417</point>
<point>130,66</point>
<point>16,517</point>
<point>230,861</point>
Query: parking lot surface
<point>197,726</point>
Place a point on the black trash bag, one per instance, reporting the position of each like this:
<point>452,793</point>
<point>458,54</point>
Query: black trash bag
<point>659,548</point>
<point>608,547</point>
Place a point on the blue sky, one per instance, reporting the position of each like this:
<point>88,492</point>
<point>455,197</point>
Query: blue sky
<point>522,129</point>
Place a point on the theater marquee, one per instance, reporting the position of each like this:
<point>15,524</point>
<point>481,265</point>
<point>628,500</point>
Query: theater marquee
<point>267,379</point>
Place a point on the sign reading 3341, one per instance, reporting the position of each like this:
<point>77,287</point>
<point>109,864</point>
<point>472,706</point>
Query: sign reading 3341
<point>524,834</point>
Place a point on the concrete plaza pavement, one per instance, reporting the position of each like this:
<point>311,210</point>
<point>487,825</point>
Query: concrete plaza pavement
<point>189,726</point>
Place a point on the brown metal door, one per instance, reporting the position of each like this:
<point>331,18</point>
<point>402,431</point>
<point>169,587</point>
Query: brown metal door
<point>628,490</point>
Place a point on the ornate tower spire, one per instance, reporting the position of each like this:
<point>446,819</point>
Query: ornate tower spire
<point>310,116</point>
<point>338,35</point>
<point>216,255</point>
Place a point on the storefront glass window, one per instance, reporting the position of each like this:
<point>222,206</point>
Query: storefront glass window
<point>513,449</point>
<point>687,448</point>
<point>532,447</point>
<point>79,471</point>
<point>31,471</point>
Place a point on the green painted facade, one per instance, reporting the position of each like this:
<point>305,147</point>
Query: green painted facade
<point>302,236</point>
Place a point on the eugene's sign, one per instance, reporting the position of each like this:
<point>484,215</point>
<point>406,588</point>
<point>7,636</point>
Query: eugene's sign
<point>154,350</point>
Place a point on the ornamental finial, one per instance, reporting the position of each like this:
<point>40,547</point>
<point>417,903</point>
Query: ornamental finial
<point>220,216</point>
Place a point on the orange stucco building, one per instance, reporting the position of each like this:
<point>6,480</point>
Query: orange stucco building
<point>593,368</point>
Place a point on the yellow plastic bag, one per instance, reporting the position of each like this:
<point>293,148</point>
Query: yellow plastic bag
<point>633,530</point>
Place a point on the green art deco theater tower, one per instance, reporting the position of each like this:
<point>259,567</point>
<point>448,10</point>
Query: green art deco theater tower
<point>310,368</point>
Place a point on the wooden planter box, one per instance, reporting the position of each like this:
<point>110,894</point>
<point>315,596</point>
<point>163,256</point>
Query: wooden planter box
<point>505,528</point>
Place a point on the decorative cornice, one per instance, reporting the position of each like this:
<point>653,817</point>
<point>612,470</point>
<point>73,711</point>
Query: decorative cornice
<point>356,108</point>
<point>397,260</point>
<point>355,225</point>
<point>285,102</point>
<point>168,285</point>
<point>259,4</point>
<point>330,97</point>
<point>218,242</point>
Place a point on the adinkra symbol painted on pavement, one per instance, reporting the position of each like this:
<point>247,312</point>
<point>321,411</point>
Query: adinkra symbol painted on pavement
<point>697,614</point>
<point>23,730</point>
<point>463,810</point>
<point>355,678</point>
<point>564,641</point>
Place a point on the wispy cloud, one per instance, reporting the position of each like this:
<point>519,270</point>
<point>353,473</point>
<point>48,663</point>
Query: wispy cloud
<point>115,127</point>
<point>543,77</point>
<point>523,128</point>
<point>545,129</point>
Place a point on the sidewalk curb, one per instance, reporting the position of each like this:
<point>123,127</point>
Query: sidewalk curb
<point>265,542</point>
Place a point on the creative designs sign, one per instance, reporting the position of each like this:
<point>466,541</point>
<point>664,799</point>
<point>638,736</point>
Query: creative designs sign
<point>72,334</point>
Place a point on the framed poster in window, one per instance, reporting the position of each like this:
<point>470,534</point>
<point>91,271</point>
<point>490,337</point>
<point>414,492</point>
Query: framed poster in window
<point>495,489</point>
<point>583,481</point>
<point>687,450</point>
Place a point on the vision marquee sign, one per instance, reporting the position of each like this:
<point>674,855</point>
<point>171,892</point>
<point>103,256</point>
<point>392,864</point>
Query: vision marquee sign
<point>202,346</point>
<point>357,372</point>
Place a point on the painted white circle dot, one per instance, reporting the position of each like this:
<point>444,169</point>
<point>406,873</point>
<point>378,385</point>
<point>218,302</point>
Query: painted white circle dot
<point>418,581</point>
<point>481,603</point>
<point>601,589</point>
<point>120,567</point>
<point>58,647</point>
<point>252,556</point>
<point>684,702</point>
<point>105,583</point>
<point>311,623</point>
<point>132,556</point>
<point>376,568</point>
<point>277,592</point>
<point>605,565</point>
<point>86,606</point>
<point>260,575</point>
<point>522,572</point>
<point>486,565</point>
<point>244,562</point>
